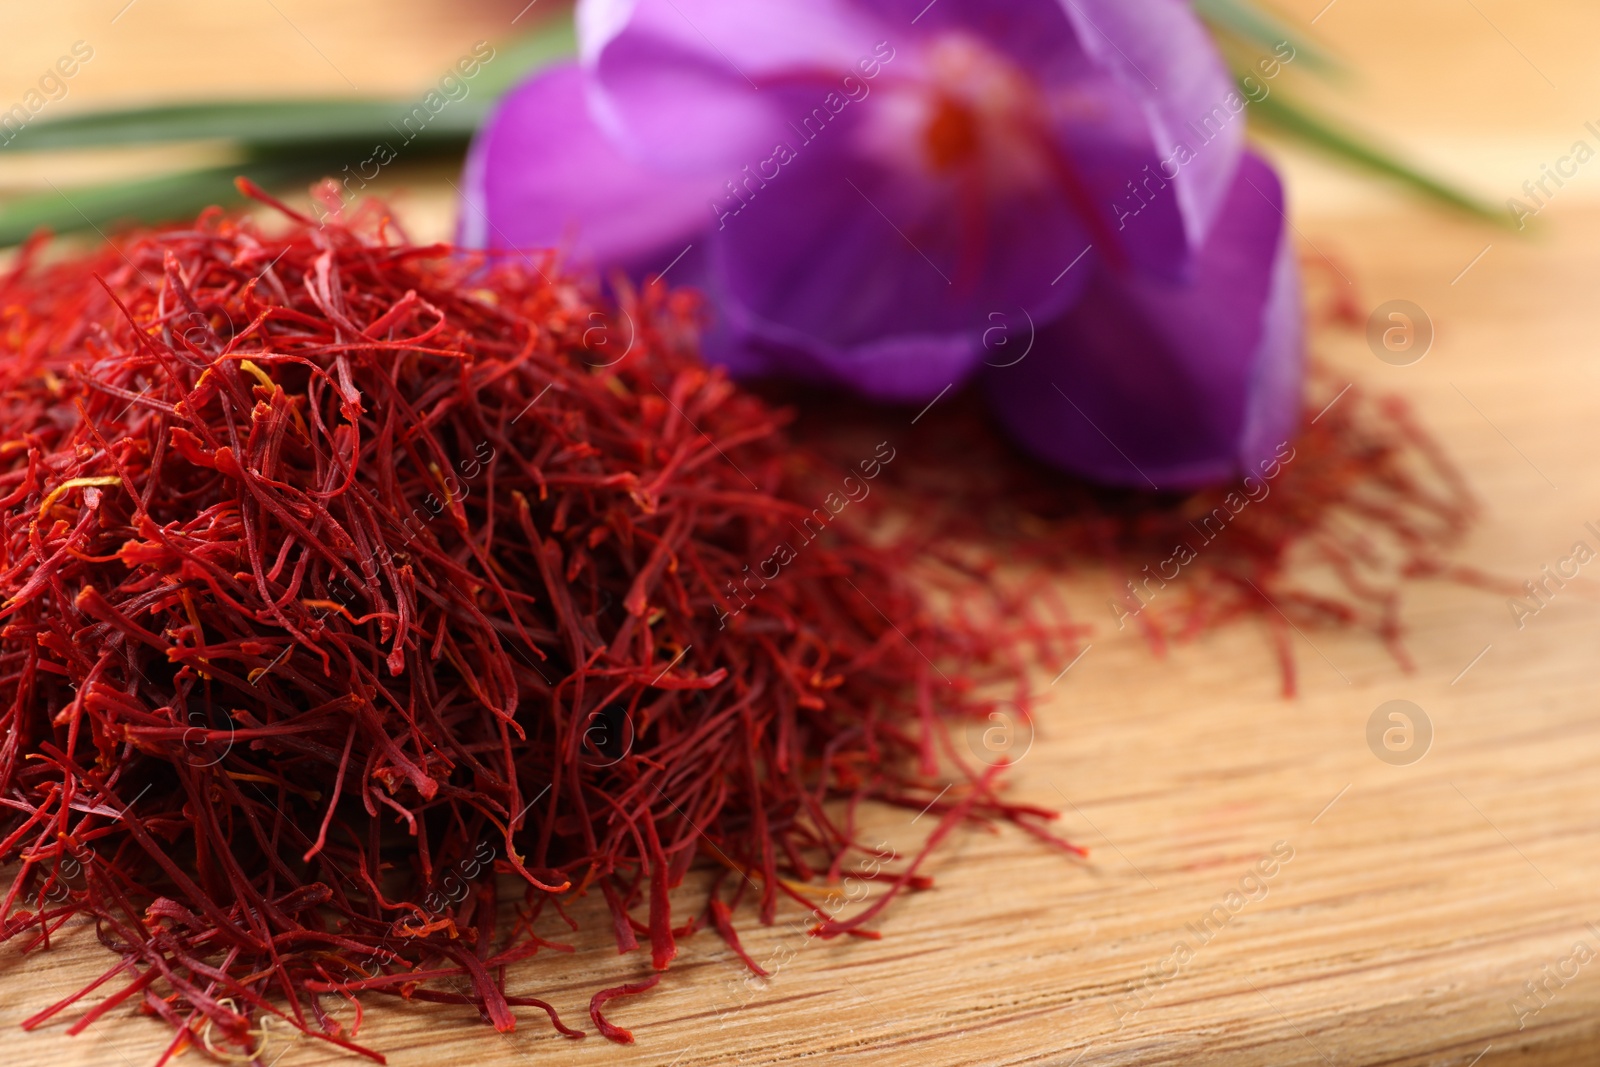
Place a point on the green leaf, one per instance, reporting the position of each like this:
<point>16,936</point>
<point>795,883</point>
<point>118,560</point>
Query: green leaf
<point>1243,20</point>
<point>1297,121</point>
<point>258,122</point>
<point>278,124</point>
<point>169,196</point>
<point>515,59</point>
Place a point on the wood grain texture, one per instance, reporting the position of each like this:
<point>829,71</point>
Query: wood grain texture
<point>1417,901</point>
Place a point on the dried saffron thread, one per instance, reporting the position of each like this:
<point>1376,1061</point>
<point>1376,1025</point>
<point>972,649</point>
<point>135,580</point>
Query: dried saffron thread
<point>605,996</point>
<point>344,589</point>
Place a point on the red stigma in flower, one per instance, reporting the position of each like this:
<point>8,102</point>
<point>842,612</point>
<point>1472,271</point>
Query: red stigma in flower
<point>951,137</point>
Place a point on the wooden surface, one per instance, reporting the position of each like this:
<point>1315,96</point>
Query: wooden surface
<point>1418,900</point>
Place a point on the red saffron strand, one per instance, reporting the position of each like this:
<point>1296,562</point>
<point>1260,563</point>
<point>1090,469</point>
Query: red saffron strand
<point>344,587</point>
<point>601,999</point>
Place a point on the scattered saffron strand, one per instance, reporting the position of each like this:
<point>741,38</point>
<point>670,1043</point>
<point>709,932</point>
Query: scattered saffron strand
<point>1359,502</point>
<point>605,996</point>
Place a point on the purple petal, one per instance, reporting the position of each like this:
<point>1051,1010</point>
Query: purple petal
<point>1162,55</point>
<point>905,368</point>
<point>837,270</point>
<point>541,174</point>
<point>767,37</point>
<point>1156,384</point>
<point>691,83</point>
<point>1034,34</point>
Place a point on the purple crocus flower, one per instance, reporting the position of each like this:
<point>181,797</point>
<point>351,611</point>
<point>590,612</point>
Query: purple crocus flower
<point>863,188</point>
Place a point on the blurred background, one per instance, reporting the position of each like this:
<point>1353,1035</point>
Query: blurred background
<point>1419,908</point>
<point>385,58</point>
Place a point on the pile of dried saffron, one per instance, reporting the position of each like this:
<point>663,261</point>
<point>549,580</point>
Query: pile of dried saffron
<point>350,584</point>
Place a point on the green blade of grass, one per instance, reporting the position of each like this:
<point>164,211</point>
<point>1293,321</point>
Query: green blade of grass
<point>168,196</point>
<point>554,40</point>
<point>1244,20</point>
<point>1297,121</point>
<point>277,123</point>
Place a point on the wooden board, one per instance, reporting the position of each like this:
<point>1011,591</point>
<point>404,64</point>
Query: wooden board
<point>1406,906</point>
